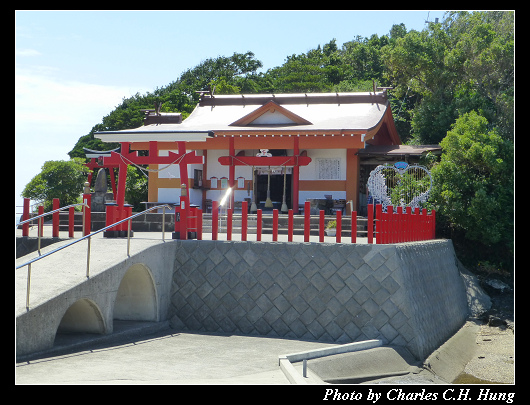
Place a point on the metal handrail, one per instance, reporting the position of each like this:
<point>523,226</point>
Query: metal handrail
<point>48,213</point>
<point>40,223</point>
<point>28,263</point>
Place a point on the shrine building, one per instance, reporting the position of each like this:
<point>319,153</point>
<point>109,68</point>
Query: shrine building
<point>269,148</point>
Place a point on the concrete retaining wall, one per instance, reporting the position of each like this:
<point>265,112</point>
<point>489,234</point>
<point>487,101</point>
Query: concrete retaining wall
<point>406,294</point>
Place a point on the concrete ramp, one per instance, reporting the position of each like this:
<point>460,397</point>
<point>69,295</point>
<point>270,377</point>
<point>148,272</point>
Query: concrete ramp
<point>119,287</point>
<point>365,365</point>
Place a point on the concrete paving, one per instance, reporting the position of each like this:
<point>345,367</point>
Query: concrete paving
<point>169,357</point>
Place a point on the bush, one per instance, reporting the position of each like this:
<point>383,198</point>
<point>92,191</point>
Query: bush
<point>474,187</point>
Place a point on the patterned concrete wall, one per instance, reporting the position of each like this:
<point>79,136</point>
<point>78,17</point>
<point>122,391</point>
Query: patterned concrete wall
<point>409,294</point>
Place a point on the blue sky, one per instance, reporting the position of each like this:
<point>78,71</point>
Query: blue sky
<point>73,67</point>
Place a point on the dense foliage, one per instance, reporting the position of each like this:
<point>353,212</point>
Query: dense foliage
<point>453,84</point>
<point>474,189</point>
<point>58,179</point>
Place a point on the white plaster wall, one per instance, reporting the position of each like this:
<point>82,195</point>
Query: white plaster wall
<point>169,195</point>
<point>173,171</point>
<point>309,172</point>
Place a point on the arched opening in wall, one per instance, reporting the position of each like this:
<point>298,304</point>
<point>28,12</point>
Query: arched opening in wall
<point>82,317</point>
<point>136,297</point>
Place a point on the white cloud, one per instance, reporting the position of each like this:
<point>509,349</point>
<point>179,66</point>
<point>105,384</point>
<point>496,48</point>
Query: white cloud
<point>27,52</point>
<point>51,115</point>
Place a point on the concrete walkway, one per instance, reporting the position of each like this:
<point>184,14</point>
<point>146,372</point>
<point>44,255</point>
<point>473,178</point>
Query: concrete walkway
<point>60,271</point>
<point>169,357</point>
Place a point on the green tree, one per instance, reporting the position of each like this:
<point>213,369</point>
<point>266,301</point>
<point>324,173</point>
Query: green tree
<point>136,190</point>
<point>62,179</point>
<point>474,187</point>
<point>460,65</point>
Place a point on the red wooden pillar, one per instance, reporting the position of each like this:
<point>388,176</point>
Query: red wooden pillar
<point>389,237</point>
<point>290,226</point>
<point>400,225</point>
<point>199,224</point>
<point>321,226</point>
<point>215,219</point>
<point>370,208</point>
<point>354,227</point>
<point>415,224</point>
<point>379,224</point>
<point>183,221</point>
<point>244,219</point>
<point>87,220</point>
<point>259,225</point>
<point>296,174</point>
<point>307,220</point>
<point>424,220</point>
<point>408,224</point>
<point>338,235</point>
<point>229,224</point>
<point>231,169</point>
<point>41,221</point>
<point>122,178</point>
<point>25,216</point>
<point>55,219</point>
<point>71,222</point>
<point>184,188</point>
<point>275,225</point>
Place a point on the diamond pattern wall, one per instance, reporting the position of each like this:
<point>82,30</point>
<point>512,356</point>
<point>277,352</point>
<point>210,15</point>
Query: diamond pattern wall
<point>326,292</point>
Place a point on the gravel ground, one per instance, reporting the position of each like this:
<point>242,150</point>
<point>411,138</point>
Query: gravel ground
<point>494,359</point>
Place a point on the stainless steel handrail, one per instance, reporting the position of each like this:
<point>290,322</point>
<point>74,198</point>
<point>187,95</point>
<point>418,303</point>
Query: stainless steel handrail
<point>50,212</point>
<point>28,263</point>
<point>40,224</point>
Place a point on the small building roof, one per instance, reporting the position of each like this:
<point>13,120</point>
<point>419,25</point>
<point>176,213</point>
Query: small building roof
<point>399,150</point>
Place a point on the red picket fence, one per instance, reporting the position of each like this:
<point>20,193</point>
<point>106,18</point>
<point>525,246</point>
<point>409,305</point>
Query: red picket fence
<point>55,218</point>
<point>189,221</point>
<point>397,227</point>
<point>390,226</point>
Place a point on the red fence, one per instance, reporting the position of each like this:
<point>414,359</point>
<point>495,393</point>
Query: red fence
<point>397,227</point>
<point>55,218</point>
<point>385,227</point>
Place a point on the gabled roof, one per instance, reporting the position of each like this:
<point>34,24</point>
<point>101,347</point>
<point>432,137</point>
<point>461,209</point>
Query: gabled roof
<point>271,113</point>
<point>316,113</point>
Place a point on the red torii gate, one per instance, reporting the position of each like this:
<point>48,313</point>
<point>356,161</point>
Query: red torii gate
<point>295,161</point>
<point>121,160</point>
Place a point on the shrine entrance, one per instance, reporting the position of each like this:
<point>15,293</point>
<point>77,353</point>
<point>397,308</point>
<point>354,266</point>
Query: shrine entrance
<point>277,179</point>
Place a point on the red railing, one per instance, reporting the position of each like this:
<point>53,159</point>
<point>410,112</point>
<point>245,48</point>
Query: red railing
<point>187,222</point>
<point>399,226</point>
<point>55,218</point>
<point>385,227</point>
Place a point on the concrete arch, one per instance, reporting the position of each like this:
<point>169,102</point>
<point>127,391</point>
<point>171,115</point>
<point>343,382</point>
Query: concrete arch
<point>82,316</point>
<point>136,299</point>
